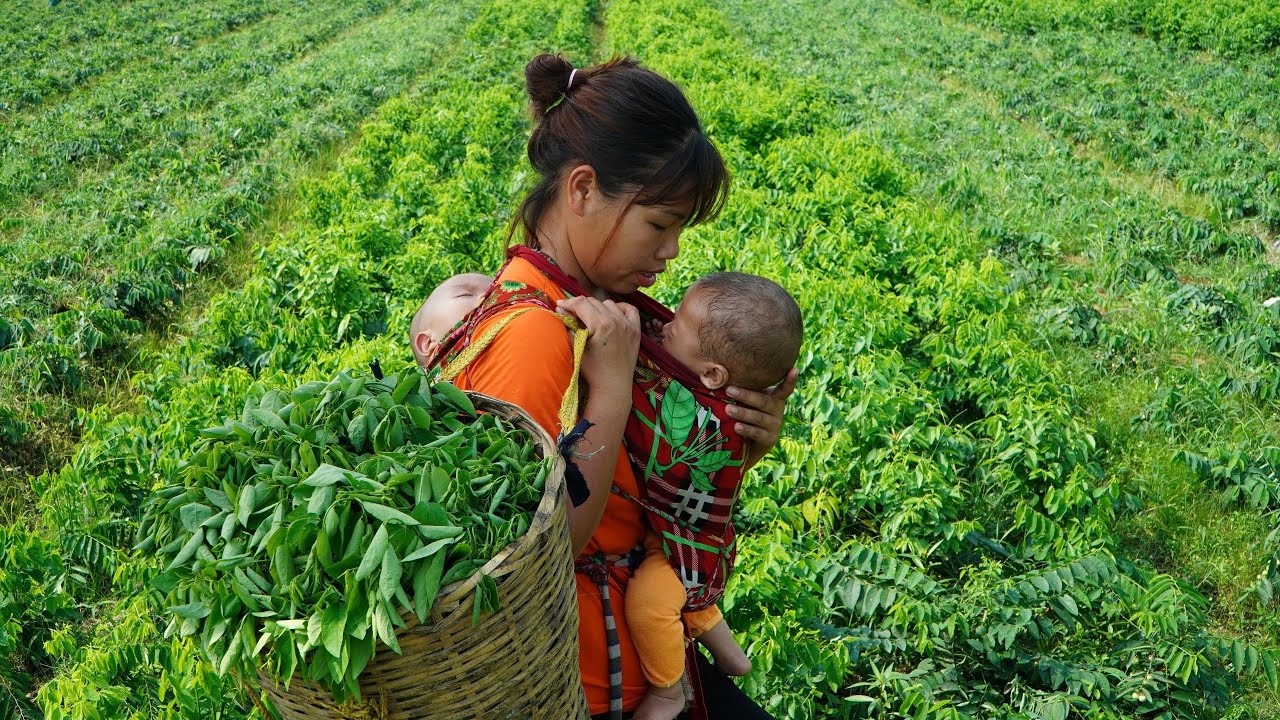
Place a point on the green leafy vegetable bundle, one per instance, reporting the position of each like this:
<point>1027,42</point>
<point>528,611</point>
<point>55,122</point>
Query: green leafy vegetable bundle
<point>299,535</point>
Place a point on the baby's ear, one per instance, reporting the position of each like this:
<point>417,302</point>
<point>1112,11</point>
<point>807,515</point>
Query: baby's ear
<point>424,345</point>
<point>433,347</point>
<point>714,376</point>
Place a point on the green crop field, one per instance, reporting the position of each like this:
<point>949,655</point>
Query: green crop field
<point>1032,466</point>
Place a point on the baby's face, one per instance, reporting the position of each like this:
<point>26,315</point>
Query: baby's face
<point>451,302</point>
<point>681,337</point>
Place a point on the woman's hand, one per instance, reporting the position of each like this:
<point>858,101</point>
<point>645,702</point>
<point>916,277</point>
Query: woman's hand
<point>613,341</point>
<point>759,416</point>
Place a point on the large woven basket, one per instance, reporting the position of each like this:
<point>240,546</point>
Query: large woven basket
<point>519,662</point>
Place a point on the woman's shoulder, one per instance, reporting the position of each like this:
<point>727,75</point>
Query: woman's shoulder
<point>530,360</point>
<point>521,275</point>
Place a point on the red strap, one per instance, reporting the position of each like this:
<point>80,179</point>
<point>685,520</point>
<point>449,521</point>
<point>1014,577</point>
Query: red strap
<point>698,706</point>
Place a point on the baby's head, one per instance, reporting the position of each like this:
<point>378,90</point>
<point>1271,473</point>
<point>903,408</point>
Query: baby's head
<point>447,304</point>
<point>734,328</point>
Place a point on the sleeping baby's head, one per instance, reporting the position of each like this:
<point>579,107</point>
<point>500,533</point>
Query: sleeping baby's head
<point>444,308</point>
<point>736,329</point>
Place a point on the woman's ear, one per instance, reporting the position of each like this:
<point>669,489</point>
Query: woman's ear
<point>579,188</point>
<point>714,376</point>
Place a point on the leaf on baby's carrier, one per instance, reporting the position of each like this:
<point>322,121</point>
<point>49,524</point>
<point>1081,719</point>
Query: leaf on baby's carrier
<point>713,461</point>
<point>679,408</point>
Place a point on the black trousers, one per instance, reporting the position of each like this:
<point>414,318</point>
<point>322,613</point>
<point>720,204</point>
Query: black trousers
<point>724,700</point>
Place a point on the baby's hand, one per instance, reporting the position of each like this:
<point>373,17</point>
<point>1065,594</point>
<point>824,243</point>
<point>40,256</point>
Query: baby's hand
<point>653,329</point>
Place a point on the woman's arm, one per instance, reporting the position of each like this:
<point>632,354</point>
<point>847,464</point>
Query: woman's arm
<point>607,367</point>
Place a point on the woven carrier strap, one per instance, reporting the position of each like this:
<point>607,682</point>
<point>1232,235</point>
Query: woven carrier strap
<point>596,567</point>
<point>569,405</point>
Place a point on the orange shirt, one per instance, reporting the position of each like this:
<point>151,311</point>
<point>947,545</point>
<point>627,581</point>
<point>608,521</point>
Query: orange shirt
<point>530,364</point>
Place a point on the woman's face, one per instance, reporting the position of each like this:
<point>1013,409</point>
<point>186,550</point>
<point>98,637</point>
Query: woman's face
<point>631,256</point>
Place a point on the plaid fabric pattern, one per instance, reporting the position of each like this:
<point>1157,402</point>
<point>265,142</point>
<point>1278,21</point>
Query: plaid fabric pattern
<point>690,464</point>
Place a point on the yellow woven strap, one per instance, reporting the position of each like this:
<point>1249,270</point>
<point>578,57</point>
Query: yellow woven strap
<point>568,406</point>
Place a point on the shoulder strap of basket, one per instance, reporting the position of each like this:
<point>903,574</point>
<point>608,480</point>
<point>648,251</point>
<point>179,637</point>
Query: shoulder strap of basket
<point>569,405</point>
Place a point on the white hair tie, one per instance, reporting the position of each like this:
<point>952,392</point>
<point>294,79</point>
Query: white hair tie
<point>570,85</point>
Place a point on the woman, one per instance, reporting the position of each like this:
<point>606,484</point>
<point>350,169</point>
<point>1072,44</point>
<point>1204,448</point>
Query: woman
<point>624,168</point>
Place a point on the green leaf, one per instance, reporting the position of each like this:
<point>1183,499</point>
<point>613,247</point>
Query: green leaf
<point>268,419</point>
<point>430,513</point>
<point>358,432</point>
<point>1069,604</point>
<point>439,484</point>
<point>407,384</point>
<point>421,418</point>
<point>324,475</point>
<point>676,416</point>
<point>334,623</point>
<point>389,580</point>
<point>321,499</point>
<point>373,556</point>
<point>426,584</point>
<point>714,461</point>
<point>193,515</point>
<point>361,651</point>
<point>188,550</point>
<point>1269,667</point>
<point>455,397</point>
<point>282,563</point>
<point>432,548</point>
<point>486,599</point>
<point>388,514</point>
<point>306,391</point>
<point>383,627</point>
<point>247,504</point>
<point>194,610</point>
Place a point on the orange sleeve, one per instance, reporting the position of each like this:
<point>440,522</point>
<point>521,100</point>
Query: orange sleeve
<point>703,620</point>
<point>530,363</point>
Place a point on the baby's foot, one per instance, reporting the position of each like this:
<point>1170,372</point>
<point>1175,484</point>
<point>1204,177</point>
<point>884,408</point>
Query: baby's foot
<point>661,704</point>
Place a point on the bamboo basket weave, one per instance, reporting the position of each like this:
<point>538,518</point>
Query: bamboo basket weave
<point>519,662</point>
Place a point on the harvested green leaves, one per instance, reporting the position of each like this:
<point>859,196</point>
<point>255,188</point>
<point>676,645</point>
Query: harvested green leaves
<point>301,534</point>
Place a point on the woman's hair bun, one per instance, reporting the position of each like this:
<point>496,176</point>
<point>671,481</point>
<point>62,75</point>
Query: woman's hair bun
<point>546,77</point>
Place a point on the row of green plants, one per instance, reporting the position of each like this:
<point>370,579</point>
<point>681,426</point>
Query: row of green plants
<point>1113,101</point>
<point>1106,256</point>
<point>937,535</point>
<point>1231,27</point>
<point>156,107</point>
<point>1149,308</point>
<point>421,195</point>
<point>46,51</point>
<point>116,252</point>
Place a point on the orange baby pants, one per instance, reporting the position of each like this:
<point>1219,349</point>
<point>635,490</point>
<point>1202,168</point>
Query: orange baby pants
<point>655,597</point>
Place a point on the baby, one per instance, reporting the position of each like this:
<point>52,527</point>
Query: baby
<point>444,308</point>
<point>730,328</point>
